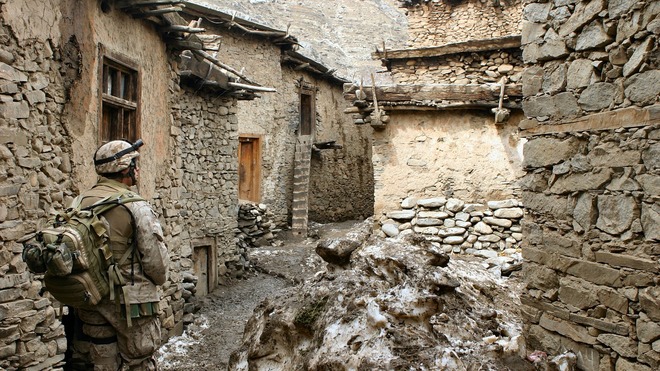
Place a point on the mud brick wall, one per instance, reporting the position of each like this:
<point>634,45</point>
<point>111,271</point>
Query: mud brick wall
<point>592,186</point>
<point>439,22</point>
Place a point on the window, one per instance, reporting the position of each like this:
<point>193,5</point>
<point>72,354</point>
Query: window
<point>119,99</point>
<point>307,112</point>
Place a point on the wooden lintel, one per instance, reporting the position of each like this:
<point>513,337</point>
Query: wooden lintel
<point>435,92</point>
<point>123,4</point>
<point>508,42</point>
<point>384,106</point>
<point>628,117</point>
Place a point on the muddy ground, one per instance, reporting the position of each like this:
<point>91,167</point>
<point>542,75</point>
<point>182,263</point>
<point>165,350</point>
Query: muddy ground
<point>218,328</point>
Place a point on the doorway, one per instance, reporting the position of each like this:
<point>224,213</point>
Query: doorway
<point>249,168</point>
<point>204,266</point>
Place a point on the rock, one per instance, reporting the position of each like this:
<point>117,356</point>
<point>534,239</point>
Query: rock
<point>650,218</point>
<point>638,57</point>
<point>432,202</point>
<point>503,204</point>
<point>592,36</point>
<point>509,213</point>
<point>432,214</point>
<point>617,8</point>
<point>483,228</point>
<point>337,251</point>
<point>580,74</point>
<point>643,87</point>
<point>506,223</point>
<point>391,230</point>
<point>536,13</point>
<point>401,215</point>
<point>616,213</point>
<point>598,96</point>
<point>409,202</point>
<point>542,152</point>
<point>453,240</point>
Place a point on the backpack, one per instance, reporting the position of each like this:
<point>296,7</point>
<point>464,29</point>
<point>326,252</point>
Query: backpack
<point>75,253</point>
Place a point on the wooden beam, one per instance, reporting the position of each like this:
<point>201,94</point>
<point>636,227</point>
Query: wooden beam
<point>149,13</point>
<point>208,57</point>
<point>416,106</point>
<point>181,28</point>
<point>507,42</point>
<point>435,92</point>
<point>628,117</point>
<point>123,4</point>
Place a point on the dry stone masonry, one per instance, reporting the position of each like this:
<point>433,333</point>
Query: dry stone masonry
<point>461,68</point>
<point>487,230</point>
<point>592,186</point>
<point>438,22</point>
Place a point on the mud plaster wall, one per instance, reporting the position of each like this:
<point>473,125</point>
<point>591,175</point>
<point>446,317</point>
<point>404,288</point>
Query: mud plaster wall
<point>428,154</point>
<point>274,118</point>
<point>433,23</point>
<point>593,220</point>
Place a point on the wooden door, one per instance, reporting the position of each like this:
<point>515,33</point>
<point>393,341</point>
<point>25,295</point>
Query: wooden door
<point>249,167</point>
<point>201,260</point>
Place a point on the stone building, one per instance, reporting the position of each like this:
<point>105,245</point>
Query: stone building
<point>300,154</point>
<point>435,131</point>
<point>592,183</point>
<point>77,73</point>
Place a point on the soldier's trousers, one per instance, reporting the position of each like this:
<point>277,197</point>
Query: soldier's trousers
<point>104,342</point>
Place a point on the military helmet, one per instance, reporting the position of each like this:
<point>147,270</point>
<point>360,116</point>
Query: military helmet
<point>115,156</point>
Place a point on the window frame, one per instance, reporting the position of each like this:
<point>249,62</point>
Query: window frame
<point>307,94</point>
<point>132,106</point>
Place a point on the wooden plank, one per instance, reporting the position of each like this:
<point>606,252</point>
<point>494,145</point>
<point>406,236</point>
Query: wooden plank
<point>434,92</point>
<point>412,106</point>
<point>623,118</point>
<point>508,42</point>
<point>119,102</point>
<point>139,3</point>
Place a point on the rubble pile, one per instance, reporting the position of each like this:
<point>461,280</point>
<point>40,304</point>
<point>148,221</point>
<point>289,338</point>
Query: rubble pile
<point>255,228</point>
<point>395,305</point>
<point>491,230</point>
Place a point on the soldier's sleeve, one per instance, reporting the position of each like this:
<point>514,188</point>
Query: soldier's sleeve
<point>150,242</point>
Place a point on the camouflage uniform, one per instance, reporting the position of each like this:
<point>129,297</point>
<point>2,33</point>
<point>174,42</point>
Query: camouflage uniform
<point>105,337</point>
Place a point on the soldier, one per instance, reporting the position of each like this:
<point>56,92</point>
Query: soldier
<point>124,334</point>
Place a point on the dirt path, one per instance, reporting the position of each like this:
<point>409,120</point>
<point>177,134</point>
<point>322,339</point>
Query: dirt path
<point>218,328</point>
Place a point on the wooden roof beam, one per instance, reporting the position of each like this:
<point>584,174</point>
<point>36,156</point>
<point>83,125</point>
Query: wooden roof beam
<point>507,42</point>
<point>434,92</point>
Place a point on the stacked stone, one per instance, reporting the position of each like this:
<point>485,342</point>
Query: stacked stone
<point>460,68</point>
<point>255,228</point>
<point>438,22</point>
<point>35,177</point>
<point>459,227</point>
<point>593,182</point>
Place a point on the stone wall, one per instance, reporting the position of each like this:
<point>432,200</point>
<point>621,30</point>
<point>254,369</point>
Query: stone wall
<point>439,22</point>
<point>197,195</point>
<point>341,182</point>
<point>460,68</point>
<point>457,227</point>
<point>48,132</point>
<point>592,186</point>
